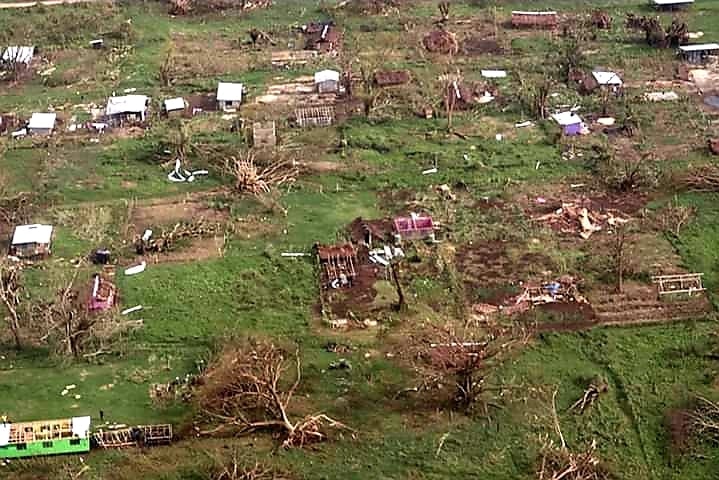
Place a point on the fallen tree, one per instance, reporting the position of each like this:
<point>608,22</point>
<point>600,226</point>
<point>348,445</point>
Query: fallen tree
<point>558,462</point>
<point>250,387</point>
<point>460,360</point>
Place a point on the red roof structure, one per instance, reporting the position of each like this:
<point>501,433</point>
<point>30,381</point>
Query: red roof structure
<point>414,227</point>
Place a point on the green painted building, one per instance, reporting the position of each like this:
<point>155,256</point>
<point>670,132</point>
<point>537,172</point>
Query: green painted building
<point>45,437</point>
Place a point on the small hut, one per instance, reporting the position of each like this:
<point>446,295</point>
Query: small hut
<point>608,81</point>
<point>127,109</point>
<point>327,81</point>
<point>17,55</point>
<point>174,107</point>
<point>672,4</point>
<point>698,53</point>
<point>571,123</point>
<point>229,96</point>
<point>41,123</point>
<point>31,241</point>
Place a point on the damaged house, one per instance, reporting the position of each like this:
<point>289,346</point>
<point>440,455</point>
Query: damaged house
<point>609,81</point>
<point>31,241</point>
<point>127,109</point>
<point>323,37</point>
<point>414,227</point>
<point>338,265</point>
<point>103,294</point>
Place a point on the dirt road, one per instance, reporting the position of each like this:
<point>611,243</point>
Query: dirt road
<point>47,3</point>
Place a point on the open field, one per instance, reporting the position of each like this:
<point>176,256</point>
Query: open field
<point>506,202</point>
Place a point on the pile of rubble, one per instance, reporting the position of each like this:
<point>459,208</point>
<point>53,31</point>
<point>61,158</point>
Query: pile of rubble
<point>563,290</point>
<point>573,218</point>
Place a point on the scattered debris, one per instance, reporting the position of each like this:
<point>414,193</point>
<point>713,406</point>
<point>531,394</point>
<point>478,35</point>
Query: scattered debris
<point>576,219</point>
<point>136,269</point>
<point>661,96</point>
<point>130,310</point>
<point>180,175</point>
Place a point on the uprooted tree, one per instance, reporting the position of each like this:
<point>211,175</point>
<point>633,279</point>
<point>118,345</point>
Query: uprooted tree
<point>10,294</point>
<point>251,387</point>
<point>249,177</point>
<point>704,421</point>
<point>462,360</point>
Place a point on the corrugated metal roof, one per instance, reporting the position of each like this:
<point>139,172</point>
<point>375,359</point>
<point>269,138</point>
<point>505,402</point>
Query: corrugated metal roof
<point>126,104</point>
<point>229,92</point>
<point>672,2</point>
<point>567,118</point>
<point>42,121</point>
<point>607,78</point>
<point>172,104</point>
<point>494,73</point>
<point>327,76</point>
<point>520,12</point>
<point>699,47</point>
<point>37,233</point>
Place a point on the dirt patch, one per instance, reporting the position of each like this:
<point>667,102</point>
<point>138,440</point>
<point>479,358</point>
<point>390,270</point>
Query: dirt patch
<point>492,274</point>
<point>480,46</point>
<point>205,103</point>
<point>166,212</point>
<point>190,56</point>
<point>678,427</point>
<point>194,250</point>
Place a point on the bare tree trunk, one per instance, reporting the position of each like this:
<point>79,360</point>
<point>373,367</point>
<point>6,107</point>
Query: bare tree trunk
<point>619,252</point>
<point>402,302</point>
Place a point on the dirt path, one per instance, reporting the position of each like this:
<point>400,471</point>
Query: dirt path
<point>46,3</point>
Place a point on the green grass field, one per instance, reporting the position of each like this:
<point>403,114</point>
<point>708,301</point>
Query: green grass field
<point>371,168</point>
